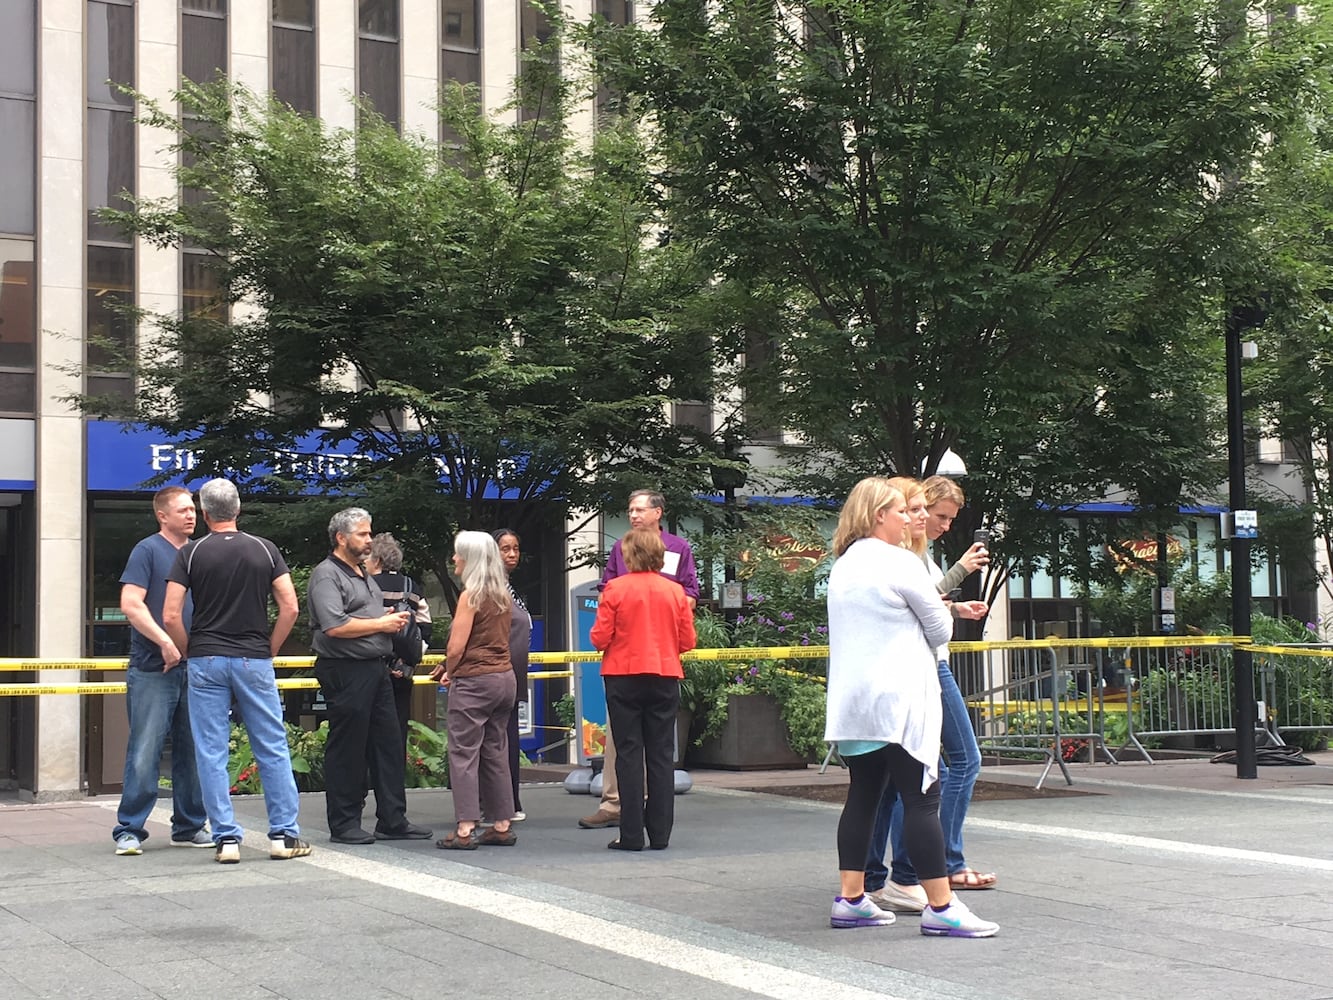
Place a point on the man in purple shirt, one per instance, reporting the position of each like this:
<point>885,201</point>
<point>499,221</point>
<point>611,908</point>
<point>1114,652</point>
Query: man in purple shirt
<point>645,511</point>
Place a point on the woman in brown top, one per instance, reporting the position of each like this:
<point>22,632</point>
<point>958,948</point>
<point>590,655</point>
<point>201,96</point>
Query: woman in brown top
<point>481,694</point>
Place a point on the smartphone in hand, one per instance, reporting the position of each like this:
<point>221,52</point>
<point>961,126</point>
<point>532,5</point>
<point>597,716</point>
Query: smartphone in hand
<point>981,536</point>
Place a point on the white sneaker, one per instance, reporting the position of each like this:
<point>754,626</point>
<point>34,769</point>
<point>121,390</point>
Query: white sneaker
<point>287,846</point>
<point>127,845</point>
<point>862,914</point>
<point>899,899</point>
<point>956,921</point>
<point>518,817</point>
<point>228,851</point>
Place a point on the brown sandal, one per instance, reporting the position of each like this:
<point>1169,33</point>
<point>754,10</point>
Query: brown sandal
<point>969,879</point>
<point>453,842</point>
<point>494,838</point>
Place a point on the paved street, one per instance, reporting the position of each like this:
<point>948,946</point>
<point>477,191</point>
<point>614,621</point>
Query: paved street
<point>1169,880</point>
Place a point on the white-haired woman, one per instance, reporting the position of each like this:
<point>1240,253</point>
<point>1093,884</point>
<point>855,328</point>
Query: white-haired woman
<point>884,711</point>
<point>481,694</point>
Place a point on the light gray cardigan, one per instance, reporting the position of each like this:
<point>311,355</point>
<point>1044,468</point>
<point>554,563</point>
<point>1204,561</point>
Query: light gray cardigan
<point>885,620</point>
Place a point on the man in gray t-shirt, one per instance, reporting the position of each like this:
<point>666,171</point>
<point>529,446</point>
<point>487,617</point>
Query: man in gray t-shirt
<point>351,634</point>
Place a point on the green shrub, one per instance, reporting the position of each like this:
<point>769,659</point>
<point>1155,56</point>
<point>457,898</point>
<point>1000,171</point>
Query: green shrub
<point>305,747</point>
<point>427,757</point>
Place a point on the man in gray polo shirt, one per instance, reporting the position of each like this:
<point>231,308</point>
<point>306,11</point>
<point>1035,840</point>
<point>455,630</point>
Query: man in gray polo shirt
<point>351,636</point>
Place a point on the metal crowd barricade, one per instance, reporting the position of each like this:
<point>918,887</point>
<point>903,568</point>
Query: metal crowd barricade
<point>1294,683</point>
<point>1024,700</point>
<point>1180,686</point>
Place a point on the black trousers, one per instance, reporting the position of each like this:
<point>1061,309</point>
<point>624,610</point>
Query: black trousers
<point>870,775</point>
<point>513,754</point>
<point>402,703</point>
<point>642,711</point>
<point>363,734</point>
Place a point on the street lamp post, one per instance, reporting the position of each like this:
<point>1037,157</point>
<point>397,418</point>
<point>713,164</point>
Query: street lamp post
<point>1238,320</point>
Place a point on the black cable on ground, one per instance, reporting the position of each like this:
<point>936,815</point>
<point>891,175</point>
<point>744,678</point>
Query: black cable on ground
<point>1290,755</point>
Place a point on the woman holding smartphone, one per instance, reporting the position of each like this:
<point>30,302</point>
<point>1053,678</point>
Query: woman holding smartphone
<point>961,765</point>
<point>885,619</point>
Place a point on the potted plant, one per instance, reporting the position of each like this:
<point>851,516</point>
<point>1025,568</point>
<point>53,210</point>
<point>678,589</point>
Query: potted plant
<point>761,716</point>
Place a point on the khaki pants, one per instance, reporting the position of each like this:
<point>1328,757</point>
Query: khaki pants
<point>610,787</point>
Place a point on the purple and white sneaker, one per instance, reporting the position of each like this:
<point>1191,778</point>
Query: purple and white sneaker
<point>956,921</point>
<point>862,914</point>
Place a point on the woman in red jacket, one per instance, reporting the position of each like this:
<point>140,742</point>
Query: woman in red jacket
<point>644,622</point>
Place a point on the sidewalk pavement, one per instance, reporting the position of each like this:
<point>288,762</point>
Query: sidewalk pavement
<point>1175,880</point>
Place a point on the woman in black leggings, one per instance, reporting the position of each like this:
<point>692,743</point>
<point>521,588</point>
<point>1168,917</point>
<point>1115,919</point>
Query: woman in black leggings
<point>884,710</point>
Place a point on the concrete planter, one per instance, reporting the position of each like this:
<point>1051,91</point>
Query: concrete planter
<point>754,738</point>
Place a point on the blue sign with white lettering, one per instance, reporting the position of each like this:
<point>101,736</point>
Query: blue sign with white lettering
<point>124,458</point>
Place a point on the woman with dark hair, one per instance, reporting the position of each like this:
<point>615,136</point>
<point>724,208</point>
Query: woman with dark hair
<point>644,622</point>
<point>884,711</point>
<point>520,640</point>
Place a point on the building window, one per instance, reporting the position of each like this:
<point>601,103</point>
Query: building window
<point>110,326</point>
<point>109,170</point>
<point>460,52</point>
<point>292,68</point>
<point>18,326</point>
<point>203,40</point>
<point>377,65</point>
<point>534,30</point>
<point>201,287</point>
<point>695,415</point>
<point>109,182</point>
<point>18,117</point>
<point>618,12</point>
<point>18,206</point>
<point>761,357</point>
<point>460,41</point>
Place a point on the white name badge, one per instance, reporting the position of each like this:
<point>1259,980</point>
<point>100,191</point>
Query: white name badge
<point>670,564</point>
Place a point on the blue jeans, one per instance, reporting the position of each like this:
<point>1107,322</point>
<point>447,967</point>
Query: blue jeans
<point>957,777</point>
<point>214,682</point>
<point>158,703</point>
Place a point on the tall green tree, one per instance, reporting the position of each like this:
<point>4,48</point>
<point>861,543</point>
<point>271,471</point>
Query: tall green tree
<point>1005,227</point>
<point>1289,389</point>
<point>491,328</point>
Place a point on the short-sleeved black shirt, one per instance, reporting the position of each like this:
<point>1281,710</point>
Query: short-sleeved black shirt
<point>230,575</point>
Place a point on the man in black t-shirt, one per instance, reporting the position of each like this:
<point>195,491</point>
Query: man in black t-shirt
<point>230,649</point>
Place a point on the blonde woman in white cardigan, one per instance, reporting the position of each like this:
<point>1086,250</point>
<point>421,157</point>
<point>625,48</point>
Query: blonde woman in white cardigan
<point>885,620</point>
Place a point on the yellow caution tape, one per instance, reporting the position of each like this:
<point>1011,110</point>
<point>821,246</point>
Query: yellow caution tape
<point>568,656</point>
<point>1152,641</point>
<point>1326,654</point>
<point>561,658</point>
<point>13,690</point>
<point>32,665</point>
